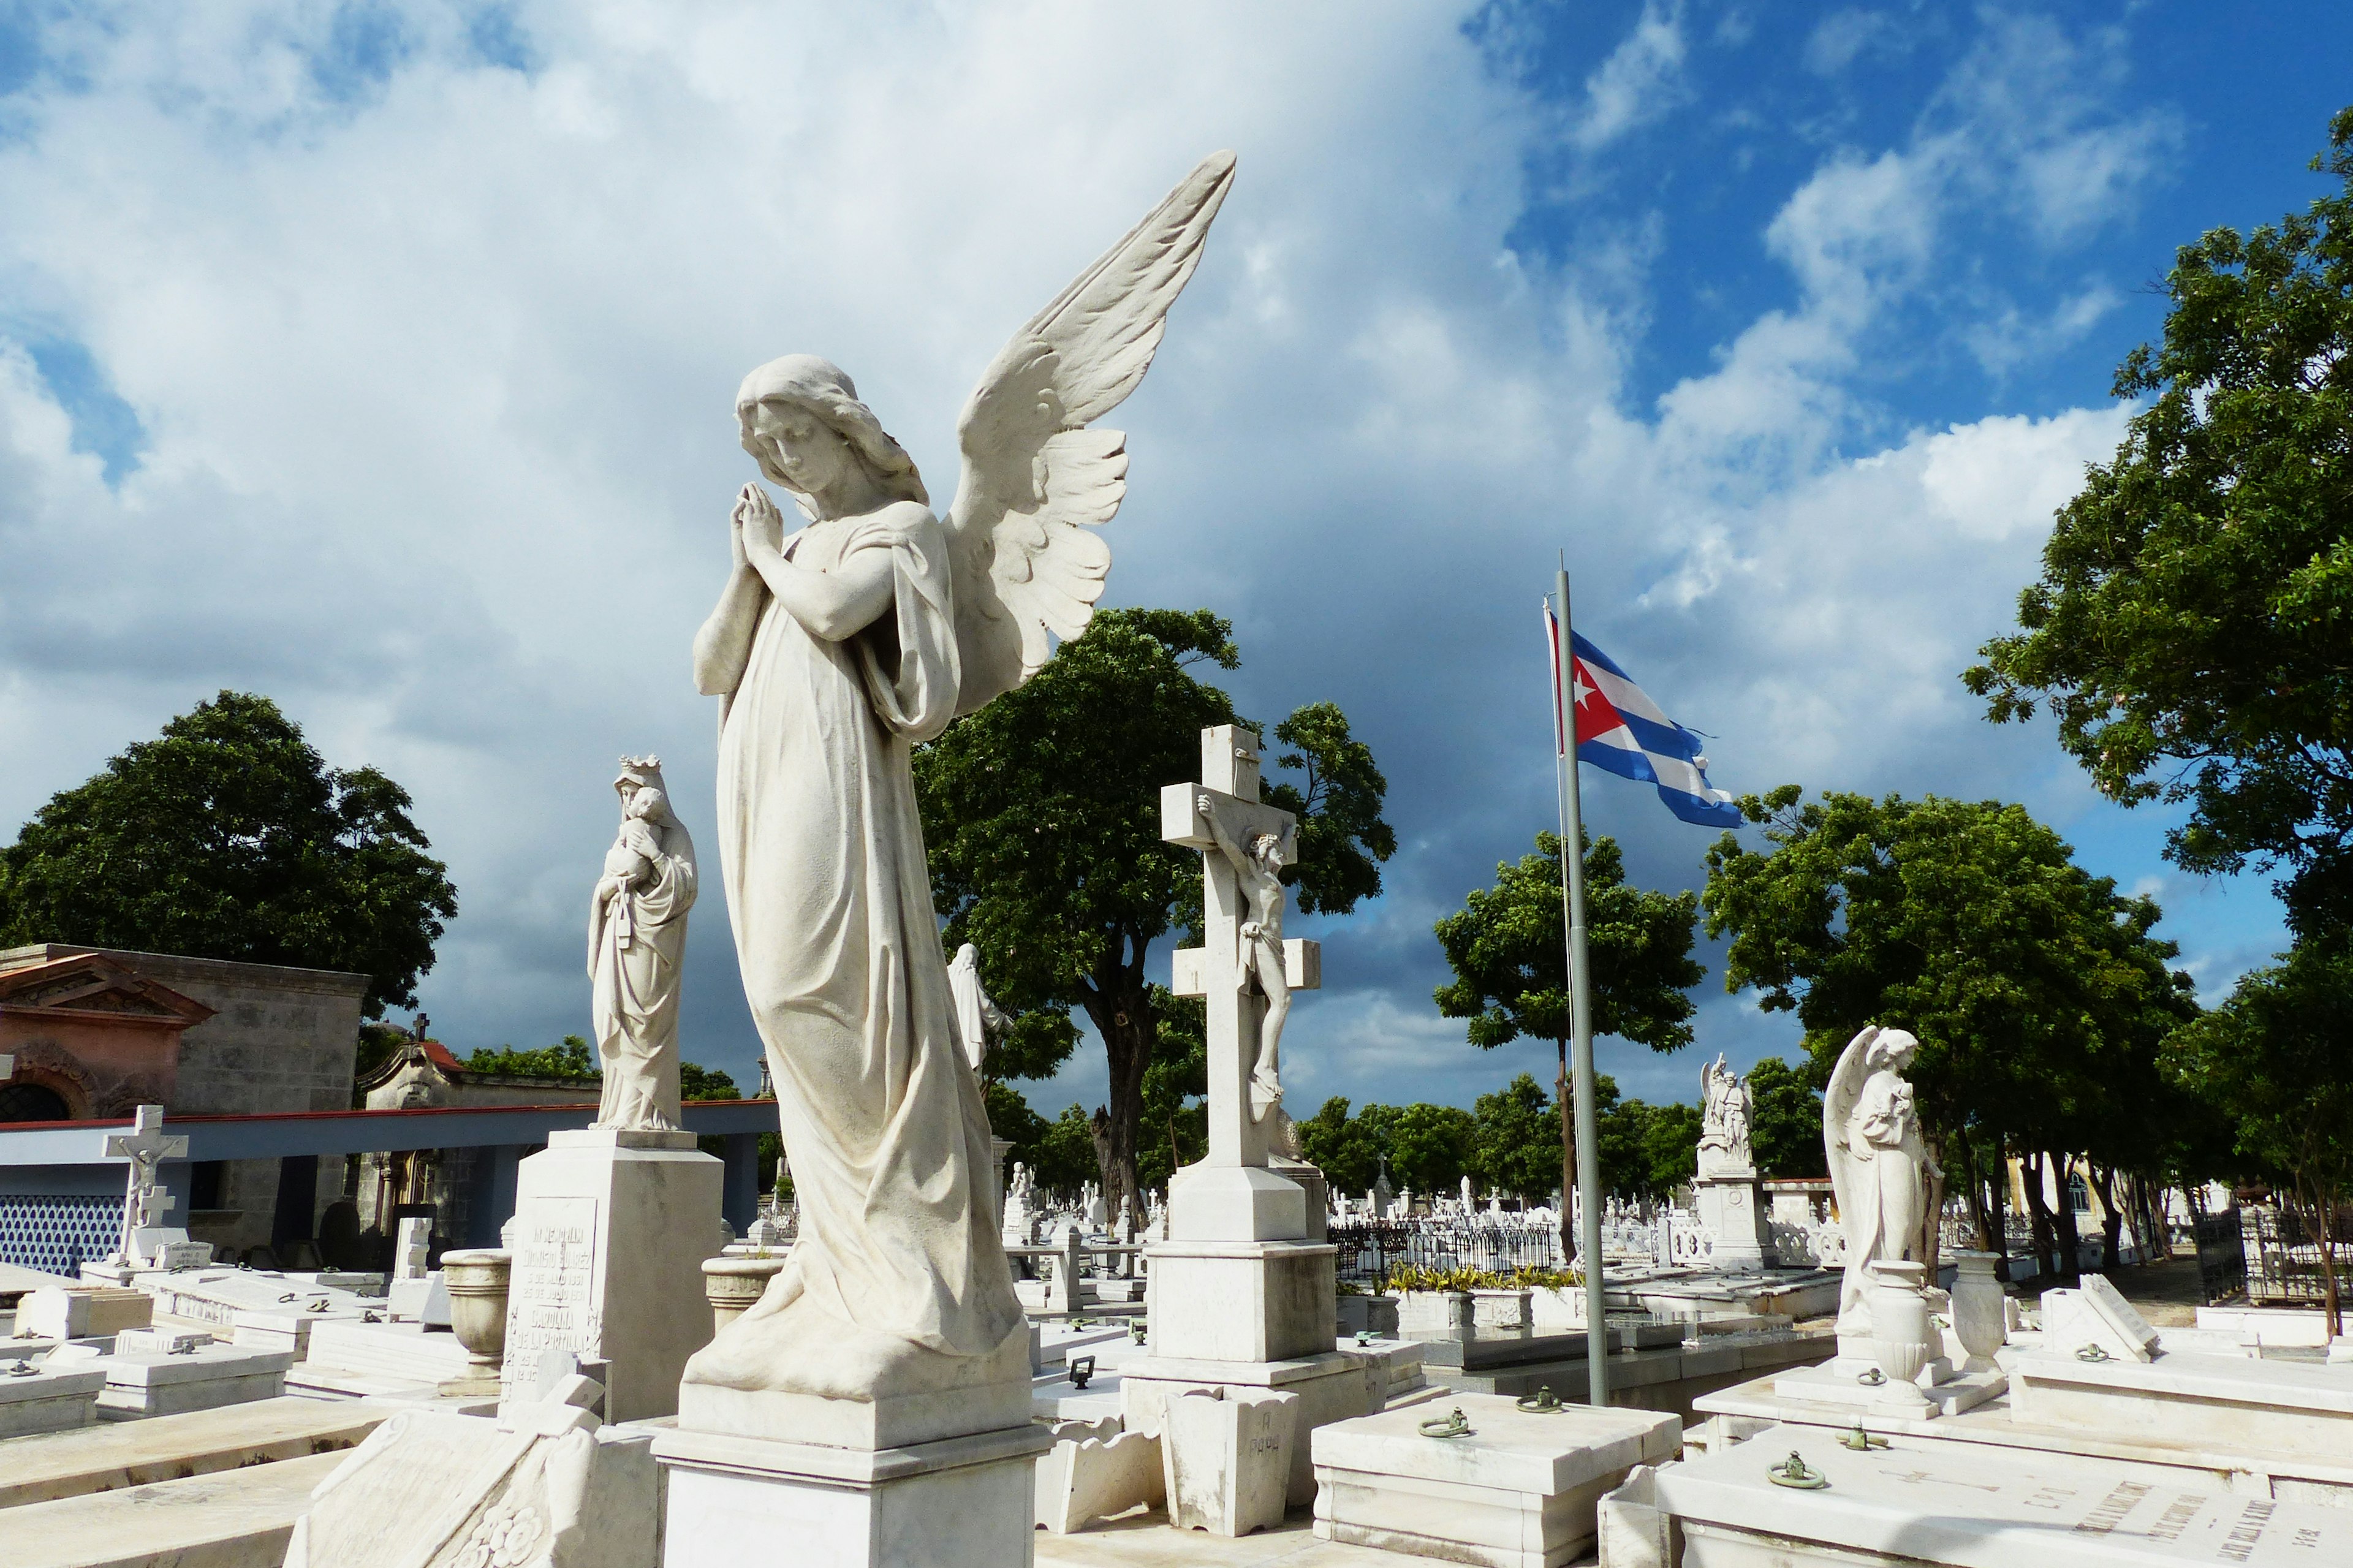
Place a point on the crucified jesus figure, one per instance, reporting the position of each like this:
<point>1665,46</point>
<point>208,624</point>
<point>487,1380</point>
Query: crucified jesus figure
<point>1257,869</point>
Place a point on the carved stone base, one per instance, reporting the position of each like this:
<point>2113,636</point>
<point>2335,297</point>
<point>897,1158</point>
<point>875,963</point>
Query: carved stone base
<point>968,1500</point>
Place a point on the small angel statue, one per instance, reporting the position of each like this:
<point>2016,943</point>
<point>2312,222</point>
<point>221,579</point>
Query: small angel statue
<point>841,642</point>
<point>637,941</point>
<point>1258,866</point>
<point>1880,1166</point>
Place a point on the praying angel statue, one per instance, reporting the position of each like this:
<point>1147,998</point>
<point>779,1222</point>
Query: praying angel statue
<point>1258,867</point>
<point>842,641</point>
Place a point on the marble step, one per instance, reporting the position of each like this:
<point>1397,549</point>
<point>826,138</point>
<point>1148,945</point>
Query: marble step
<point>168,1447</point>
<point>231,1519</point>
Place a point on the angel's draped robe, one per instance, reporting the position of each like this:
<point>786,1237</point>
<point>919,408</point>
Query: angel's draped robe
<point>636,939</point>
<point>822,852</point>
<point>1891,1195</point>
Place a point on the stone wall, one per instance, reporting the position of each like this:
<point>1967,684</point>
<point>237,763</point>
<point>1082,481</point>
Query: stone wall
<point>280,1038</point>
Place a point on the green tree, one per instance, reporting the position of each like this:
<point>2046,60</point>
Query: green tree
<point>1785,1131</point>
<point>1515,1144</point>
<point>1429,1146</point>
<point>1348,1150</point>
<point>1042,812</point>
<point>2033,985</point>
<point>227,837</point>
<point>572,1057</point>
<point>1066,1152</point>
<point>1010,1118</point>
<point>2275,1061</point>
<point>1508,948</point>
<point>2191,626</point>
<point>705,1083</point>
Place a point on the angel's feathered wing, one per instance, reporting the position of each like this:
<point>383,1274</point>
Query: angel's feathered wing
<point>1838,1111</point>
<point>1037,483</point>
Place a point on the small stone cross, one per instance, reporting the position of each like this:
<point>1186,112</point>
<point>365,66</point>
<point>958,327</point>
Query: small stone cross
<point>144,1202</point>
<point>1216,973</point>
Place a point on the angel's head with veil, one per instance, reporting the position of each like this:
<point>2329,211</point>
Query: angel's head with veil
<point>803,422</point>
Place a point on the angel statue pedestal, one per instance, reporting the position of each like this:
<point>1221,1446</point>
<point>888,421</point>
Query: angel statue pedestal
<point>1891,1350</point>
<point>612,1223</point>
<point>873,1406</point>
<point>1241,1297</point>
<point>1741,1238</point>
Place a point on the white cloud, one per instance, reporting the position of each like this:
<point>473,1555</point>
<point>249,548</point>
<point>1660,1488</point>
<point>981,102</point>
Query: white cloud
<point>1640,82</point>
<point>434,362</point>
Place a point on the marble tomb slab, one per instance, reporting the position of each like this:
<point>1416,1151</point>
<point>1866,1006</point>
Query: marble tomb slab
<point>1924,1503</point>
<point>2295,1408</point>
<point>232,1519</point>
<point>1519,1492</point>
<point>46,1398</point>
<point>199,1378</point>
<point>119,1454</point>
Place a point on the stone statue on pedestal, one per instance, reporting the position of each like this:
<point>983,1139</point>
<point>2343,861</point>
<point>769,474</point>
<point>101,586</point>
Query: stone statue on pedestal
<point>1880,1166</point>
<point>1725,1107</point>
<point>637,941</point>
<point>840,643</point>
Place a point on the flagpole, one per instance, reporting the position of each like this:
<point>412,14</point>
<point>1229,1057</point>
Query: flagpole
<point>1580,1002</point>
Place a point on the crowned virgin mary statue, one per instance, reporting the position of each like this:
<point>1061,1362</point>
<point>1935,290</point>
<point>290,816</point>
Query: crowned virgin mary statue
<point>843,640</point>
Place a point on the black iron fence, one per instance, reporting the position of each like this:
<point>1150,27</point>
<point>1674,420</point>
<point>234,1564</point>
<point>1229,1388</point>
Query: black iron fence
<point>1370,1250</point>
<point>2221,1259</point>
<point>2280,1254</point>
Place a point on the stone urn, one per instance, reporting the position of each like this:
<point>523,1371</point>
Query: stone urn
<point>1900,1328</point>
<point>732,1284</point>
<point>1979,1320</point>
<point>477,1284</point>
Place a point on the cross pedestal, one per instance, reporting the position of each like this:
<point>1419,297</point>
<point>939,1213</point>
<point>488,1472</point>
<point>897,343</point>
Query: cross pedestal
<point>1240,1295</point>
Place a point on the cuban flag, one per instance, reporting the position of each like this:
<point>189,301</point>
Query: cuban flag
<point>1619,729</point>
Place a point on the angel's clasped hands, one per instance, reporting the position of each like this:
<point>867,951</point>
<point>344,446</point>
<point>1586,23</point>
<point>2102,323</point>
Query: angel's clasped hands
<point>757,526</point>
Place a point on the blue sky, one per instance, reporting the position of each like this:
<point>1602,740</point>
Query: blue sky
<point>381,359</point>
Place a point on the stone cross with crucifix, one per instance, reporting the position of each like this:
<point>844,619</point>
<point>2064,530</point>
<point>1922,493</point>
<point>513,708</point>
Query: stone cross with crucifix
<point>1243,842</point>
<point>146,1202</point>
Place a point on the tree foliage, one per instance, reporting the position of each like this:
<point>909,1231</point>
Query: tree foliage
<point>1042,815</point>
<point>228,837</point>
<point>1785,1131</point>
<point>1508,948</point>
<point>1512,1141</point>
<point>2275,1061</point>
<point>572,1057</point>
<point>2037,991</point>
<point>2191,626</point>
<point>1515,1140</point>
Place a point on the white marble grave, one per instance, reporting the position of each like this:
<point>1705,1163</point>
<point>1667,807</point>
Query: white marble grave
<point>47,1398</point>
<point>545,1485</point>
<point>195,1376</point>
<point>611,1230</point>
<point>1519,1492</point>
<point>1956,1505</point>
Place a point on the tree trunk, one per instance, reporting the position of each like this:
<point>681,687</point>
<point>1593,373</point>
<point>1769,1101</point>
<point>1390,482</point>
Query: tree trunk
<point>1121,1011</point>
<point>2070,1237</point>
<point>1568,1165</point>
<point>2112,1219</point>
<point>2324,1209</point>
<point>1976,1190</point>
<point>2042,1238</point>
